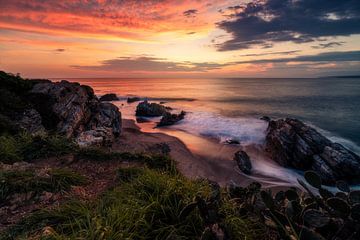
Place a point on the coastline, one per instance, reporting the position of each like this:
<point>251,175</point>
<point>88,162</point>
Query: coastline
<point>220,167</point>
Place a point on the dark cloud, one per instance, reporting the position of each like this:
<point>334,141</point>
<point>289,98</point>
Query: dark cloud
<point>270,53</point>
<point>190,13</point>
<point>266,22</point>
<point>60,50</point>
<point>350,56</point>
<point>328,45</point>
<point>191,33</point>
<point>148,63</point>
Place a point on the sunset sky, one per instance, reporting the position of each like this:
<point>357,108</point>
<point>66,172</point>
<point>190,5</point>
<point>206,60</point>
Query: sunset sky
<point>154,38</point>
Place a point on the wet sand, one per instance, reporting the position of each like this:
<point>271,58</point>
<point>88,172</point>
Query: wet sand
<point>196,157</point>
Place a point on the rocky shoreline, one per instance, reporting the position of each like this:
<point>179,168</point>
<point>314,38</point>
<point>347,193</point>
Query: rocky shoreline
<point>63,129</point>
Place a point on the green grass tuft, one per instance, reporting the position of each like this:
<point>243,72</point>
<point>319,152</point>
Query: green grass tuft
<point>24,147</point>
<point>26,182</point>
<point>160,162</point>
<point>148,207</point>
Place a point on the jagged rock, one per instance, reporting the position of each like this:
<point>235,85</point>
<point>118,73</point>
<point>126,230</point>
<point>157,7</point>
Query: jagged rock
<point>97,137</point>
<point>171,118</point>
<point>31,122</point>
<point>291,143</point>
<point>109,97</point>
<point>133,99</point>
<point>243,162</point>
<point>74,110</point>
<point>106,116</point>
<point>147,109</point>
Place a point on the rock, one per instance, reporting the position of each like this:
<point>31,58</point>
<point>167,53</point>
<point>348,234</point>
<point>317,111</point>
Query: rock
<point>170,118</point>
<point>97,137</point>
<point>133,99</point>
<point>109,97</point>
<point>31,122</point>
<point>73,110</point>
<point>106,116</point>
<point>147,109</point>
<point>232,141</point>
<point>291,143</point>
<point>265,118</point>
<point>243,162</point>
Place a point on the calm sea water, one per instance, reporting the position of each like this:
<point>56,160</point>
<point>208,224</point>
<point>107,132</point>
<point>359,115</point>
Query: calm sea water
<point>231,107</point>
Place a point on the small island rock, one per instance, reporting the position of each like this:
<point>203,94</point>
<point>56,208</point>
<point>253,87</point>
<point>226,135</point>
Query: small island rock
<point>109,97</point>
<point>171,118</point>
<point>147,109</point>
<point>133,99</point>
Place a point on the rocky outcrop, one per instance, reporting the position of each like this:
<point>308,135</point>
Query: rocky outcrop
<point>243,162</point>
<point>147,109</point>
<point>30,121</point>
<point>133,99</point>
<point>171,118</point>
<point>109,97</point>
<point>291,143</point>
<point>73,110</point>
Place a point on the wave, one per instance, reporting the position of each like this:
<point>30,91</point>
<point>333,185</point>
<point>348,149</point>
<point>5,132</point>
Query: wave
<point>245,130</point>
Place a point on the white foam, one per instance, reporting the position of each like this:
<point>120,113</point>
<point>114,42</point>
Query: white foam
<point>245,130</point>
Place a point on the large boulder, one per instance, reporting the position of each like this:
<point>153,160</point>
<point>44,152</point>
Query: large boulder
<point>171,118</point>
<point>72,109</point>
<point>109,97</point>
<point>293,144</point>
<point>243,162</point>
<point>147,109</point>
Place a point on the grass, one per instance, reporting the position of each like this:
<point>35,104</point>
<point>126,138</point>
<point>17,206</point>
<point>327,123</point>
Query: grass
<point>27,182</point>
<point>24,147</point>
<point>160,162</point>
<point>146,205</point>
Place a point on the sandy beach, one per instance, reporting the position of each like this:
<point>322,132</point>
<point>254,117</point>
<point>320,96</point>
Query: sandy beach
<point>197,157</point>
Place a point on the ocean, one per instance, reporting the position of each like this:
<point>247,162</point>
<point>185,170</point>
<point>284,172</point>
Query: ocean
<point>230,108</point>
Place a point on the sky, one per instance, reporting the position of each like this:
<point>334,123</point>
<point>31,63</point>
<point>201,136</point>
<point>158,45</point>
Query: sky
<point>180,38</point>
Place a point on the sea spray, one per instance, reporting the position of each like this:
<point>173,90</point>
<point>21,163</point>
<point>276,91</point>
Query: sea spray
<point>245,130</point>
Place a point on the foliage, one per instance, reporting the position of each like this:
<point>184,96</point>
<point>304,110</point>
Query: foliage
<point>24,147</point>
<point>27,182</point>
<point>151,204</point>
<point>9,150</point>
<point>315,216</point>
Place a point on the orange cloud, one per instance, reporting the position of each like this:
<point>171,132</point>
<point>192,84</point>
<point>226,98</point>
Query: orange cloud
<point>131,20</point>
